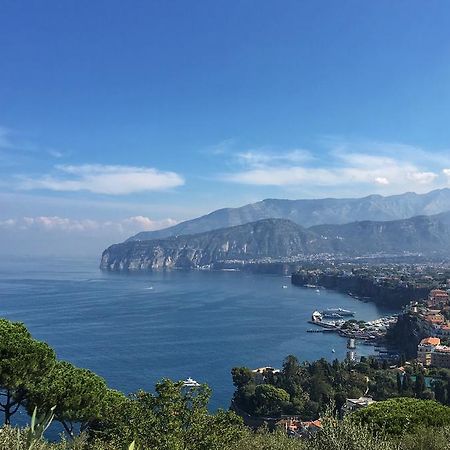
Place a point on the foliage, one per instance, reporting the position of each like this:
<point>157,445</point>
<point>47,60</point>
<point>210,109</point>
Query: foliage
<point>426,439</point>
<point>347,435</point>
<point>39,424</point>
<point>77,395</point>
<point>310,387</point>
<point>399,415</point>
<point>23,364</point>
<point>270,400</point>
<point>173,418</point>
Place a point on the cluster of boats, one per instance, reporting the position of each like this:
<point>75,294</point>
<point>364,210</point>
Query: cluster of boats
<point>332,313</point>
<point>335,317</point>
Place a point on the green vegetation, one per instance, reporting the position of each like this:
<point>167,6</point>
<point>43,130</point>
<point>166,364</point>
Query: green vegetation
<point>24,362</point>
<point>176,418</point>
<point>77,394</point>
<point>399,415</point>
<point>307,389</point>
<point>336,435</point>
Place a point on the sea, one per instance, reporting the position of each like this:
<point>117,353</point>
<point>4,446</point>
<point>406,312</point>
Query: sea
<point>136,329</point>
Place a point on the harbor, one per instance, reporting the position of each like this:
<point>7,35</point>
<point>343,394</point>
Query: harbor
<point>342,321</point>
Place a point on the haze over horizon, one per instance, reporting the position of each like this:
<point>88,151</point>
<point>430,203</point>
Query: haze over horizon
<point>116,119</point>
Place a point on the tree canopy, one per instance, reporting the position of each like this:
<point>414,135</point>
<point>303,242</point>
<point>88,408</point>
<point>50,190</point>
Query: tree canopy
<point>24,363</point>
<point>399,415</point>
<point>78,395</point>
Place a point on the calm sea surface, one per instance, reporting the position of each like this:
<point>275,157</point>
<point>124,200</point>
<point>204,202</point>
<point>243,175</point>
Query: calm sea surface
<point>136,329</point>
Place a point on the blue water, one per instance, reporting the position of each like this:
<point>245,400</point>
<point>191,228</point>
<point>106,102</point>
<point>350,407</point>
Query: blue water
<point>136,329</point>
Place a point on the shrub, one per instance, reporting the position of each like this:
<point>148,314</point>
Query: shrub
<point>399,415</point>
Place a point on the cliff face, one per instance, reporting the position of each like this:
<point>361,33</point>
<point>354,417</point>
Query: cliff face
<point>406,334</point>
<point>279,238</point>
<point>255,241</point>
<point>363,287</point>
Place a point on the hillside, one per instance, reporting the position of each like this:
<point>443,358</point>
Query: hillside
<point>314,212</point>
<point>279,238</point>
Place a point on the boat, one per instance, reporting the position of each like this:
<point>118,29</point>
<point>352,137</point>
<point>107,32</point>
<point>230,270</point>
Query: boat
<point>340,311</point>
<point>284,286</point>
<point>333,350</point>
<point>189,382</point>
<point>331,315</point>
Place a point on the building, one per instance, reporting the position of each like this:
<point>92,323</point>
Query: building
<point>435,319</point>
<point>440,357</point>
<point>352,404</point>
<point>295,427</point>
<point>437,297</point>
<point>425,349</point>
<point>261,373</point>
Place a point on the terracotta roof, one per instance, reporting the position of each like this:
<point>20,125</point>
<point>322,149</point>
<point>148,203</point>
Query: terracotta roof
<point>430,341</point>
<point>315,423</point>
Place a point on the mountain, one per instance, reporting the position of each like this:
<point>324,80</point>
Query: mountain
<point>420,234</point>
<point>314,212</point>
<point>280,238</point>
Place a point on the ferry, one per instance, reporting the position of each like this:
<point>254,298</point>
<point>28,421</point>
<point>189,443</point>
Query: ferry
<point>331,315</point>
<point>316,319</point>
<point>340,311</point>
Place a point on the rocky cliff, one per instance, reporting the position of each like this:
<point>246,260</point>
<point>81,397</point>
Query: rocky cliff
<point>396,296</point>
<point>256,241</point>
<point>282,239</point>
<point>406,334</point>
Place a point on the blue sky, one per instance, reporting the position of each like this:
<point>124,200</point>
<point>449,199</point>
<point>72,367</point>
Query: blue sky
<point>122,116</point>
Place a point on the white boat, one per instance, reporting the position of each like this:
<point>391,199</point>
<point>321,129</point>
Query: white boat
<point>331,315</point>
<point>284,286</point>
<point>333,350</point>
<point>190,383</point>
<point>340,311</point>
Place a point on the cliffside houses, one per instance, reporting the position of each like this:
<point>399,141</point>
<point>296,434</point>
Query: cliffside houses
<point>430,352</point>
<point>434,313</point>
<point>434,317</point>
<point>437,299</point>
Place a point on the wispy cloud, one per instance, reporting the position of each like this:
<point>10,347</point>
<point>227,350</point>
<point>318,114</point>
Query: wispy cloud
<point>14,148</point>
<point>362,166</point>
<point>263,158</point>
<point>104,179</point>
<point>125,226</point>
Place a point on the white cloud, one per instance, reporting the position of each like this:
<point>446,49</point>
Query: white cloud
<point>381,180</point>
<point>143,223</point>
<point>7,223</point>
<point>104,179</point>
<point>363,167</point>
<point>125,226</point>
<point>423,177</point>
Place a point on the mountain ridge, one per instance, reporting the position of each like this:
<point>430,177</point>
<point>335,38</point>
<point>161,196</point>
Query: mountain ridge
<point>311,212</point>
<point>282,238</point>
